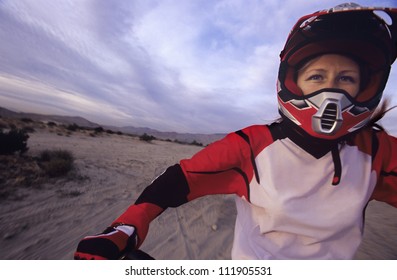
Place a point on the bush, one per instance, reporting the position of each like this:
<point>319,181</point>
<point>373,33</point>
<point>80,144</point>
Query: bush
<point>13,141</point>
<point>147,138</point>
<point>56,163</point>
<point>195,143</point>
<point>73,127</point>
<point>28,129</point>
<point>27,120</point>
<point>99,129</point>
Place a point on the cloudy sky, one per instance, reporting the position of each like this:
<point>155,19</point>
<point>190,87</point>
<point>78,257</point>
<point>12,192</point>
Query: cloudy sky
<point>173,65</point>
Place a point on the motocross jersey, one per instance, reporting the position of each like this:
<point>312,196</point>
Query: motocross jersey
<point>295,199</point>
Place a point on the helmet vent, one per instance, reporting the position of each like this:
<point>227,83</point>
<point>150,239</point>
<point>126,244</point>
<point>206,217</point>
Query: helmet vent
<point>329,117</point>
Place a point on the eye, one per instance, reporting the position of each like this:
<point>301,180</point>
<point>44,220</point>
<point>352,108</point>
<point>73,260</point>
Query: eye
<point>347,79</point>
<point>315,77</point>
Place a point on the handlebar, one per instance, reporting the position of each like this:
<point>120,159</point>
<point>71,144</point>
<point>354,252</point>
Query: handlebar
<point>137,255</point>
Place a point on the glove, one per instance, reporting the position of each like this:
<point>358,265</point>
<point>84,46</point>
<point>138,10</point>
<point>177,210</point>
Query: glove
<point>109,245</point>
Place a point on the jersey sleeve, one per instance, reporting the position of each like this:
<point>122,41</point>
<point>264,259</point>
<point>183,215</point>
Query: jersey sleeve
<point>385,149</point>
<point>223,167</point>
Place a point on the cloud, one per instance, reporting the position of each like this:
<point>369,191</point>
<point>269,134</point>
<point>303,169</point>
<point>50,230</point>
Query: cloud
<point>191,66</point>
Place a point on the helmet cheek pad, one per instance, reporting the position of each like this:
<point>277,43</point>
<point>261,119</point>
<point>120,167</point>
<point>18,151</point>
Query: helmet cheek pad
<point>373,90</point>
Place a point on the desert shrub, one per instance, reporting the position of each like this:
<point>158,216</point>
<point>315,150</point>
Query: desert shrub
<point>72,127</point>
<point>195,143</point>
<point>26,120</point>
<point>146,137</point>
<point>99,129</point>
<point>51,124</point>
<point>56,163</point>
<point>13,141</point>
<point>28,129</point>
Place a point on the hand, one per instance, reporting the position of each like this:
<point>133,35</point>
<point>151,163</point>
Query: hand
<point>109,245</point>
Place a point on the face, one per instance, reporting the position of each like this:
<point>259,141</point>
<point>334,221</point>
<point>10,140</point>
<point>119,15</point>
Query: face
<point>330,71</point>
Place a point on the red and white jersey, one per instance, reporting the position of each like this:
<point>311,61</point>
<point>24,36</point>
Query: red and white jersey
<point>293,201</point>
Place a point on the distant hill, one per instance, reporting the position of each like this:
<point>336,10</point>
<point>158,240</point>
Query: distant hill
<point>205,139</point>
<point>45,118</point>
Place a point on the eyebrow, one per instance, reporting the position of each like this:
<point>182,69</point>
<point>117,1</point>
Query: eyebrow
<point>324,70</point>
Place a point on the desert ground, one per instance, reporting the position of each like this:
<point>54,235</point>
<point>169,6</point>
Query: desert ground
<point>47,219</point>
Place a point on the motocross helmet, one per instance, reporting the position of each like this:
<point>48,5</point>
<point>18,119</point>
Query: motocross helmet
<point>359,33</point>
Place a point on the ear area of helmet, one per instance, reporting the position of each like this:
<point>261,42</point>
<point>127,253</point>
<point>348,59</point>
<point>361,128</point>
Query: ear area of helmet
<point>290,82</point>
<point>374,85</point>
<point>287,79</point>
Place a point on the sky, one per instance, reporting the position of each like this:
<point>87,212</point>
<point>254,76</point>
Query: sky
<point>197,66</point>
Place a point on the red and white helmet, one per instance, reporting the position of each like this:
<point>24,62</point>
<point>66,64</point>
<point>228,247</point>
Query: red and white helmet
<point>351,30</point>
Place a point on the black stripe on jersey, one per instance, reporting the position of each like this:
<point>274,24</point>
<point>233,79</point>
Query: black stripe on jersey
<point>385,173</point>
<point>375,144</point>
<point>276,131</point>
<point>246,139</point>
<point>170,189</point>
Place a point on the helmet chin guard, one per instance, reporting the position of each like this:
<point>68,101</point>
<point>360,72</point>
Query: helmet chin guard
<point>327,113</point>
<point>328,118</point>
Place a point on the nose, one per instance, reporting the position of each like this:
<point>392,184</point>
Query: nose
<point>331,83</point>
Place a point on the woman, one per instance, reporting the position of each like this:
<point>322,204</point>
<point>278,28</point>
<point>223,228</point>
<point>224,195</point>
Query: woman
<point>301,184</point>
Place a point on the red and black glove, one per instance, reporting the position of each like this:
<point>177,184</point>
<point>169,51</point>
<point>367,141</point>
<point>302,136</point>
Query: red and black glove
<point>109,245</point>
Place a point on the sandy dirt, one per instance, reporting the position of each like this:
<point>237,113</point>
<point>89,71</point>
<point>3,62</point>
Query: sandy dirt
<point>47,221</point>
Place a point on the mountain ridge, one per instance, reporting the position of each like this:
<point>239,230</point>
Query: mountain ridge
<point>202,138</point>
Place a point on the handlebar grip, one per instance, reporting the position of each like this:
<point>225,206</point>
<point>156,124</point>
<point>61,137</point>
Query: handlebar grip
<point>137,255</point>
